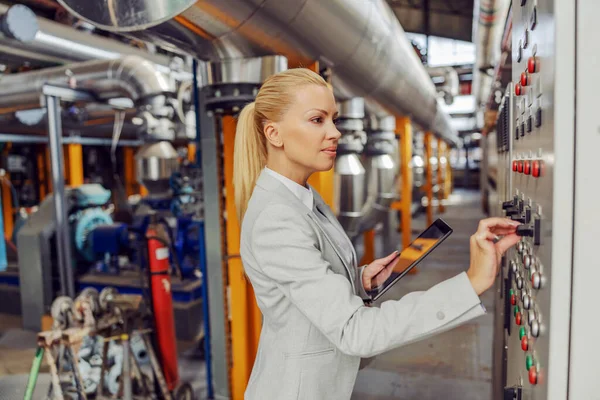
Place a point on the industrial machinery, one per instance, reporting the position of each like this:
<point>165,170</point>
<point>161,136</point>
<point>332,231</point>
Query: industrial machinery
<point>547,141</point>
<point>108,346</point>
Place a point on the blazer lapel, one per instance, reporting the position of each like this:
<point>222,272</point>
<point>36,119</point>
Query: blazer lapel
<point>319,204</point>
<point>268,182</point>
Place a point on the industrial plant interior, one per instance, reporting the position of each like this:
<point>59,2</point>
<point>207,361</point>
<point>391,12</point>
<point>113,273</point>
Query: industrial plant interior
<point>120,268</point>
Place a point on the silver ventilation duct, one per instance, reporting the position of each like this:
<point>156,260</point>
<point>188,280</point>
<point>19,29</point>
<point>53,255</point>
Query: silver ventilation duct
<point>362,40</point>
<point>349,171</point>
<point>488,24</point>
<point>381,164</point>
<point>131,77</point>
<point>58,44</point>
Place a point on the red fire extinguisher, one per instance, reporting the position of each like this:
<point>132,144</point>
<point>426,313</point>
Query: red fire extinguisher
<point>162,303</point>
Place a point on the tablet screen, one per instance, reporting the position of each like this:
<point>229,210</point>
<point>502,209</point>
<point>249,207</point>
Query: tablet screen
<point>414,253</point>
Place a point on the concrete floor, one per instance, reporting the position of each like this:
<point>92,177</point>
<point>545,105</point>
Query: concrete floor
<point>451,366</point>
<point>455,365</point>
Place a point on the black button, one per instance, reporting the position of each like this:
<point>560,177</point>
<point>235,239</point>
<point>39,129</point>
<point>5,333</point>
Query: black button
<point>520,53</point>
<point>533,20</point>
<point>526,39</point>
<point>517,133</point>
<point>538,117</point>
<point>523,2</point>
<point>529,124</point>
<point>523,129</point>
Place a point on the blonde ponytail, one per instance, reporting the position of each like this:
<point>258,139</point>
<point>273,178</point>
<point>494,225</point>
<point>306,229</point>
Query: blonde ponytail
<point>274,98</point>
<point>249,157</point>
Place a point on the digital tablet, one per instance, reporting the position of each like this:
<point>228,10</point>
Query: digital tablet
<point>424,244</point>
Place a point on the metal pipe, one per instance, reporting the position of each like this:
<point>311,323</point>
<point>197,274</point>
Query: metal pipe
<point>488,24</point>
<point>63,238</point>
<point>362,40</point>
<point>12,138</point>
<point>57,44</point>
<point>132,76</point>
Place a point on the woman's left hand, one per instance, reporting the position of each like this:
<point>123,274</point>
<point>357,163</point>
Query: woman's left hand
<point>377,272</point>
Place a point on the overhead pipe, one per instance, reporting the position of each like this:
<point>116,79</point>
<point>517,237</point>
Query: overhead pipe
<point>55,44</point>
<point>131,77</point>
<point>361,40</point>
<point>488,26</point>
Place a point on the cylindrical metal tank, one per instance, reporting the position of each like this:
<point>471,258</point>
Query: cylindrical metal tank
<point>156,162</point>
<point>381,172</point>
<point>349,171</point>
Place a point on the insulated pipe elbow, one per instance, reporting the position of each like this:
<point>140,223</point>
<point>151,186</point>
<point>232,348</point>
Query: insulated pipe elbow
<point>132,77</point>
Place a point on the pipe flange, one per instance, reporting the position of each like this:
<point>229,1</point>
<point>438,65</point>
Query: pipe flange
<point>229,98</point>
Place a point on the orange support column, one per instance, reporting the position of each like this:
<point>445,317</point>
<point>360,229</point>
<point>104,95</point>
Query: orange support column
<point>429,177</point>
<point>129,171</point>
<point>245,315</point>
<point>369,247</point>
<point>74,164</point>
<point>448,178</point>
<point>441,174</point>
<point>404,132</point>
<point>191,152</point>
<point>41,170</point>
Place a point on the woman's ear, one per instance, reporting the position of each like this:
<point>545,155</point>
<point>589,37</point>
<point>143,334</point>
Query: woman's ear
<point>271,132</point>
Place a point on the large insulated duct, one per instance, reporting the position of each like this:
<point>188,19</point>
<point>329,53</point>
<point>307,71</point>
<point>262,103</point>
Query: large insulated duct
<point>488,25</point>
<point>349,171</point>
<point>362,40</point>
<point>57,44</point>
<point>381,165</point>
<point>131,77</point>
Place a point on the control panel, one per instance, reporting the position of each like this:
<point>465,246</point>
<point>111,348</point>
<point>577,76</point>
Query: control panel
<point>545,162</point>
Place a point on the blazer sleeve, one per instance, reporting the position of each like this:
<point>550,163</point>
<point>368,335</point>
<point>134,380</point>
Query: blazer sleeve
<point>285,247</point>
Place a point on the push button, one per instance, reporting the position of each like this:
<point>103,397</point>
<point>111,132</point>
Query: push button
<point>518,89</point>
<point>524,79</point>
<point>514,166</point>
<point>520,167</point>
<point>522,333</point>
<point>518,319</point>
<point>513,300</point>
<point>528,361</point>
<point>532,65</point>
<point>527,167</point>
<point>533,375</point>
<point>524,343</point>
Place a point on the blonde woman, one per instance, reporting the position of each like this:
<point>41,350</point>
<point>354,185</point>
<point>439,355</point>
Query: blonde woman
<point>302,266</point>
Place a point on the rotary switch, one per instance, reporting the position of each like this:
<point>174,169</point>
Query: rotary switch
<point>531,317</point>
<point>536,280</point>
<point>519,283</point>
<point>527,261</point>
<point>513,266</point>
<point>526,302</point>
<point>535,328</point>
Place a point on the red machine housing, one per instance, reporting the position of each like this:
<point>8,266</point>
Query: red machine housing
<point>162,304</point>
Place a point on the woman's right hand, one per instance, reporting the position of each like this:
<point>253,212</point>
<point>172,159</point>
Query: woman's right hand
<point>485,254</point>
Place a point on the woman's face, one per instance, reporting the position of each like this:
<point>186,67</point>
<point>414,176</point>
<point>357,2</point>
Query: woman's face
<point>307,134</point>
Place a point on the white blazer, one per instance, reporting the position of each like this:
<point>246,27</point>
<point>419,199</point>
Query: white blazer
<point>316,327</point>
